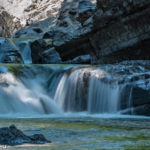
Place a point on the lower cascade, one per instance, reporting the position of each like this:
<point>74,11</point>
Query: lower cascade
<point>57,89</point>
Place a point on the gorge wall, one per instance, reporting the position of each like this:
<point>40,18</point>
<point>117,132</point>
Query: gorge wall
<point>85,31</point>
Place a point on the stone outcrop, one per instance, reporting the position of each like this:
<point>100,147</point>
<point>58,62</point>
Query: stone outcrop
<point>13,136</point>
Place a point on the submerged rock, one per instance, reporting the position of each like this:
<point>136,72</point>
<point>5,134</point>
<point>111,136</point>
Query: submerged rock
<point>13,136</point>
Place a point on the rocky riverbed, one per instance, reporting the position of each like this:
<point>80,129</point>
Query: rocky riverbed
<point>101,132</point>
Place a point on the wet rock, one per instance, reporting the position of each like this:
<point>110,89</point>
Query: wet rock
<point>35,30</point>
<point>51,56</point>
<point>143,110</point>
<point>84,59</point>
<point>75,19</point>
<point>9,53</point>
<point>38,47</point>
<point>12,136</point>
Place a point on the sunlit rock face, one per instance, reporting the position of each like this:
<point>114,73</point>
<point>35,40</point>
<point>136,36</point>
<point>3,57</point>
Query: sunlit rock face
<point>26,12</point>
<point>8,23</point>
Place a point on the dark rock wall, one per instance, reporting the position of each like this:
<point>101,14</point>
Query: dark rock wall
<point>121,31</point>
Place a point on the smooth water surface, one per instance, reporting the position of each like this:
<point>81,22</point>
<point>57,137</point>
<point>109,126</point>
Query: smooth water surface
<point>85,133</point>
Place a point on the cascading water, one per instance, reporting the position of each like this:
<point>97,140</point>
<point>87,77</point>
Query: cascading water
<point>84,90</point>
<point>56,89</point>
<point>103,98</point>
<point>15,97</point>
<point>25,50</point>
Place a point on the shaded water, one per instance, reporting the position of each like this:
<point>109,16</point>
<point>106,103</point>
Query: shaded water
<point>85,133</point>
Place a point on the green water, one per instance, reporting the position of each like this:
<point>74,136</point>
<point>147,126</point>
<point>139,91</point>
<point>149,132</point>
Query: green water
<point>85,133</point>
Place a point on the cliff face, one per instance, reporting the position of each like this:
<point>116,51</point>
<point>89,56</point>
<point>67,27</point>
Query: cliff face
<point>107,31</point>
<point>103,31</point>
<point>121,31</point>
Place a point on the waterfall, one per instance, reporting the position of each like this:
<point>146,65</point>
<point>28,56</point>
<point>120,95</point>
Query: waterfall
<point>15,97</point>
<point>25,50</point>
<point>54,89</point>
<point>103,98</point>
<point>70,92</point>
<point>84,90</point>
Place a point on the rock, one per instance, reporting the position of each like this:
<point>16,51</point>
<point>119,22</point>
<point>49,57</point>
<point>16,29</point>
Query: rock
<point>38,139</point>
<point>38,48</point>
<point>8,24</point>
<point>34,31</point>
<point>143,110</point>
<point>51,56</point>
<point>109,31</point>
<point>84,59</point>
<point>75,18</point>
<point>27,12</point>
<point>118,31</point>
<point>12,136</point>
<point>9,53</point>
